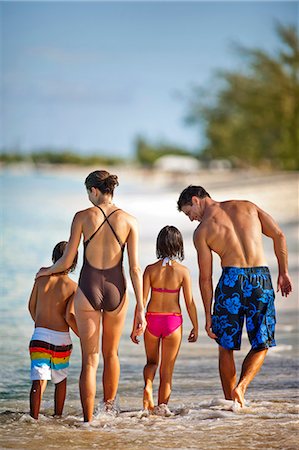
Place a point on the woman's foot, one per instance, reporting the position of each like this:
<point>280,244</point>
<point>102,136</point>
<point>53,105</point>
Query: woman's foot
<point>148,401</point>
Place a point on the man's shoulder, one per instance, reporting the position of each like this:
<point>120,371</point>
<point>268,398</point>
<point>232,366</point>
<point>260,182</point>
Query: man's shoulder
<point>201,229</point>
<point>237,204</point>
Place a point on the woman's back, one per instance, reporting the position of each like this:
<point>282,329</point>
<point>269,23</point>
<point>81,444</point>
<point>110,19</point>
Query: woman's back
<point>105,234</point>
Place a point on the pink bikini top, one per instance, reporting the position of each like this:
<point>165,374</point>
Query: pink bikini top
<point>168,291</point>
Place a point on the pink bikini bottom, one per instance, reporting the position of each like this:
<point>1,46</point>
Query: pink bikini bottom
<point>163,324</point>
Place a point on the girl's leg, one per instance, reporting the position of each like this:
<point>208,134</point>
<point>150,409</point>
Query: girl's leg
<point>170,348</point>
<point>151,344</point>
<point>36,394</point>
<point>59,397</point>
<point>113,323</point>
<point>88,322</point>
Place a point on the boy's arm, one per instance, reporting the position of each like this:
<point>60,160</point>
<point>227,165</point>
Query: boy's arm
<point>190,305</point>
<point>33,301</point>
<point>70,315</point>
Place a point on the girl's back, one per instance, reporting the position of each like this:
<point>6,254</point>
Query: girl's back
<point>164,281</point>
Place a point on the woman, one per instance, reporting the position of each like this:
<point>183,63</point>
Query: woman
<point>101,296</point>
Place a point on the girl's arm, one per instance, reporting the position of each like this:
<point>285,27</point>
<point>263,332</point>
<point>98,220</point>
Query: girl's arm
<point>33,301</point>
<point>190,305</point>
<point>69,254</point>
<point>139,323</point>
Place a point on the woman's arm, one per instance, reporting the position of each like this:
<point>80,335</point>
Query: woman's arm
<point>146,288</point>
<point>33,301</point>
<point>139,323</point>
<point>69,254</point>
<point>190,305</point>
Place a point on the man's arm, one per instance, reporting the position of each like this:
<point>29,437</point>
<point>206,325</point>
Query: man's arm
<point>272,230</point>
<point>205,264</point>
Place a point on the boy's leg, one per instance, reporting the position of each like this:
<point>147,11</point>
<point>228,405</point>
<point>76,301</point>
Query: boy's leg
<point>37,389</point>
<point>170,349</point>
<point>151,344</point>
<point>59,397</point>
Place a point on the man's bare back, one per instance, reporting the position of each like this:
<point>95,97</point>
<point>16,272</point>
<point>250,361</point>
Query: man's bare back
<point>49,301</point>
<point>233,230</point>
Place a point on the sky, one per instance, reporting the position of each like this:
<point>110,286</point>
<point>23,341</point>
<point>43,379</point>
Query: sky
<point>92,76</point>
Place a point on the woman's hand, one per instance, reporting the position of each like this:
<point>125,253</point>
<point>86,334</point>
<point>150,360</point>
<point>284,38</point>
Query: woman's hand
<point>43,272</point>
<point>139,325</point>
<point>193,335</point>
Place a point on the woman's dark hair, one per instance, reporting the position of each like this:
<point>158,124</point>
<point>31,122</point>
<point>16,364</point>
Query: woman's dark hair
<point>170,243</point>
<point>186,195</point>
<point>102,180</point>
<point>58,252</point>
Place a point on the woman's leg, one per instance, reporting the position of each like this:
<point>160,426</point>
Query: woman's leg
<point>151,344</point>
<point>88,322</point>
<point>170,348</point>
<point>113,323</point>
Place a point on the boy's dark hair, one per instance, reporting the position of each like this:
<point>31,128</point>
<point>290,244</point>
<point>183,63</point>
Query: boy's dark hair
<point>102,180</point>
<point>58,252</point>
<point>170,243</point>
<point>186,195</point>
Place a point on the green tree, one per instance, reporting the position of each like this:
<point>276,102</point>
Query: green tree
<point>253,118</point>
<point>147,153</point>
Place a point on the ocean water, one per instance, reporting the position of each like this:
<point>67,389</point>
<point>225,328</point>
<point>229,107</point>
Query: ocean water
<point>36,211</point>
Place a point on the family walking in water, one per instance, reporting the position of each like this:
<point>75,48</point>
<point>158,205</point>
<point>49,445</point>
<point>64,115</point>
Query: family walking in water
<point>231,229</point>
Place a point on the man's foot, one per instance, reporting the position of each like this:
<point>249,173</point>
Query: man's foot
<point>238,395</point>
<point>148,401</point>
<point>162,410</point>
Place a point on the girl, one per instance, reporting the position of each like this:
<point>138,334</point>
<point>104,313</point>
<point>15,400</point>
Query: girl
<point>164,319</point>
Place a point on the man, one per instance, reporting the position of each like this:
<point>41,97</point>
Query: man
<point>233,229</point>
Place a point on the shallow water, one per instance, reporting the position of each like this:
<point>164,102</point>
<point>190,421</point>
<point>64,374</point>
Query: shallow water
<point>37,210</point>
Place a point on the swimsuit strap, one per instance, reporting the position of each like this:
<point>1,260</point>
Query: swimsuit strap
<point>105,220</point>
<point>112,229</point>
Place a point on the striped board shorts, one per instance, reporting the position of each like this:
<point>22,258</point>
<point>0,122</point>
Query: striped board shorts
<point>50,354</point>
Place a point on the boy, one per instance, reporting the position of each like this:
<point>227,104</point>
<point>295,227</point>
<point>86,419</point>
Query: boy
<point>51,307</point>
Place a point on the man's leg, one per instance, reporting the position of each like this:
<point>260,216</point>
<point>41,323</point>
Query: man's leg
<point>227,370</point>
<point>250,367</point>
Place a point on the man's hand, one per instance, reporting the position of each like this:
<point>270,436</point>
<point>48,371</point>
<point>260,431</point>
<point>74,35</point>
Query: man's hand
<point>209,328</point>
<point>284,284</point>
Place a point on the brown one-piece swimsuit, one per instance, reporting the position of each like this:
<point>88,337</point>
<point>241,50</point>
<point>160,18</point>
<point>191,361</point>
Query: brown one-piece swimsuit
<point>103,288</point>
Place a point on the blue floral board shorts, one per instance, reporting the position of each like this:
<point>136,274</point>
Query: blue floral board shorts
<point>244,293</point>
